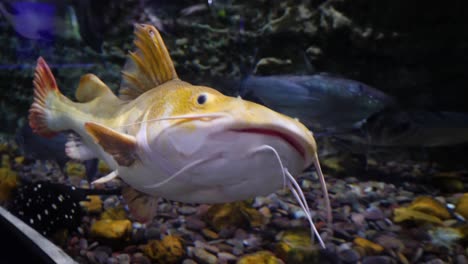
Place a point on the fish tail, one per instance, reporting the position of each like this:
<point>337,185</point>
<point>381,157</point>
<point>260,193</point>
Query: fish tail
<point>46,93</point>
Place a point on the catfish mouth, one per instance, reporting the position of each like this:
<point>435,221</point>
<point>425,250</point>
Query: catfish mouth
<point>275,133</point>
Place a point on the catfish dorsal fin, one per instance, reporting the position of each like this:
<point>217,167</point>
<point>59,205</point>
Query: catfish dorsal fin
<point>91,87</point>
<point>122,147</point>
<point>149,66</point>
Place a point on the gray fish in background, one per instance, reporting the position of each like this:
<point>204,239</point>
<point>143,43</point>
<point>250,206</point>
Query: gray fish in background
<point>37,147</point>
<point>397,128</point>
<point>324,103</point>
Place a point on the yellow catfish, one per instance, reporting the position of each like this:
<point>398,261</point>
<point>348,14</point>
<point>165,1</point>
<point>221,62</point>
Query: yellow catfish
<point>168,138</point>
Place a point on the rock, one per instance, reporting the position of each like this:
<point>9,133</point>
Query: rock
<point>194,223</point>
<point>210,248</point>
<point>406,214</point>
<point>462,206</point>
<point>8,182</point>
<point>187,210</point>
<point>260,257</point>
<point>349,256</point>
<point>374,214</point>
<point>83,243</point>
<point>431,206</point>
<point>238,214</point>
<point>113,260</point>
<point>226,257</point>
<point>112,229</point>
<point>140,259</point>
<point>378,260</point>
<point>123,259</point>
<point>461,259</point>
<point>94,205</point>
<point>204,257</point>
<point>167,250</point>
<point>117,213</point>
<point>189,261</point>
<point>209,234</point>
<point>296,247</point>
<point>100,256</point>
<point>369,247</point>
<point>389,242</point>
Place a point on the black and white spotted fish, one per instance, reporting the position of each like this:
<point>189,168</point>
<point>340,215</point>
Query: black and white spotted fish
<point>49,207</point>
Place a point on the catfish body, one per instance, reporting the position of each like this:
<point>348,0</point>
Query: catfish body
<point>166,137</point>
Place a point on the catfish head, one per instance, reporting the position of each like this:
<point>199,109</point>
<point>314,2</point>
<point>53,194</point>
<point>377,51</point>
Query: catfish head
<point>216,148</point>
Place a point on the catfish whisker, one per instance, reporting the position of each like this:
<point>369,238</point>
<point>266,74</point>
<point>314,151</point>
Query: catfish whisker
<point>197,116</point>
<point>299,195</point>
<point>267,147</point>
<point>179,172</point>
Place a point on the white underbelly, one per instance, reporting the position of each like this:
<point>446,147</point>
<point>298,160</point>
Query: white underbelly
<point>229,169</point>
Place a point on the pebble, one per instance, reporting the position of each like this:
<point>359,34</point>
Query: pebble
<point>189,261</point>
<point>209,234</point>
<point>461,259</point>
<point>123,259</point>
<point>204,257</point>
<point>349,256</point>
<point>208,247</point>
<point>112,260</point>
<point>152,233</point>
<point>83,243</point>
<point>193,223</point>
<point>138,258</point>
<point>373,214</point>
<point>187,210</point>
<point>226,257</point>
<point>378,260</point>
<point>101,256</point>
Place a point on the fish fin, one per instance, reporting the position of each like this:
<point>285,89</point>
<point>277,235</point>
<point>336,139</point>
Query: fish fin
<point>75,149</point>
<point>149,66</point>
<point>107,178</point>
<point>142,206</point>
<point>45,90</point>
<point>121,146</point>
<point>91,87</point>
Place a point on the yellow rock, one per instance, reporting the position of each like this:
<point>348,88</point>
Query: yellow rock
<point>117,213</point>
<point>333,163</point>
<point>407,214</point>
<point>94,205</point>
<point>8,182</point>
<point>112,229</point>
<point>103,168</point>
<point>5,161</point>
<point>261,257</point>
<point>19,160</point>
<point>296,247</point>
<point>369,247</point>
<point>462,206</point>
<point>238,214</point>
<point>168,250</point>
<point>431,206</point>
<point>75,169</point>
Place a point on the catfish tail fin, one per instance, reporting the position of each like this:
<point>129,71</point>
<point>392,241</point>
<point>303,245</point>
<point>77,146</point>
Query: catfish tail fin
<point>45,92</point>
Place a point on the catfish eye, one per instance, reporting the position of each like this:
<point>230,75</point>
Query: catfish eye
<point>201,99</point>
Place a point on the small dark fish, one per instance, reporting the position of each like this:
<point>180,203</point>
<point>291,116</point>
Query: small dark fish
<point>322,102</point>
<point>396,128</point>
<point>37,147</point>
<point>49,207</point>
